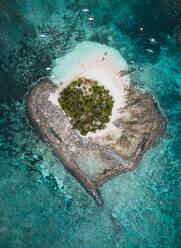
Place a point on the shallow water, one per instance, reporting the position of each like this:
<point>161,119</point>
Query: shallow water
<point>41,205</point>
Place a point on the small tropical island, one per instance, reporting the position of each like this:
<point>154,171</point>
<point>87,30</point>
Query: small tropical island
<point>96,121</point>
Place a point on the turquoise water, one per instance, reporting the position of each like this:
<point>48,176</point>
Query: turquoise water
<point>41,205</point>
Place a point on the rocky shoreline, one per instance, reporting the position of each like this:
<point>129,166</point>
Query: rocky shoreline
<point>140,126</point>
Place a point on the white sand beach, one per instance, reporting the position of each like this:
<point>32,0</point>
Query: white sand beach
<point>86,60</point>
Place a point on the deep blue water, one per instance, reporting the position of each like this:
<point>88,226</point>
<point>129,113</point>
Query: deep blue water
<point>41,205</point>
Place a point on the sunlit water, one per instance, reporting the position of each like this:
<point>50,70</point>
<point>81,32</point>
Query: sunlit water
<point>41,205</point>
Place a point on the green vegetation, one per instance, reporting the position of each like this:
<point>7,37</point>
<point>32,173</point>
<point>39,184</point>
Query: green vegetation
<point>88,105</point>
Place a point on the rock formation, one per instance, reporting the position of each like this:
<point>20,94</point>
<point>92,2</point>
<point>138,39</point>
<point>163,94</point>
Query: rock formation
<point>140,125</point>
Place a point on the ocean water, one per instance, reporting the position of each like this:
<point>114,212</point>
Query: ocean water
<point>41,205</point>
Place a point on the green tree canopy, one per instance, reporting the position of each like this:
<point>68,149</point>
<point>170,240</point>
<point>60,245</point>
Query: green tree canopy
<point>87,104</point>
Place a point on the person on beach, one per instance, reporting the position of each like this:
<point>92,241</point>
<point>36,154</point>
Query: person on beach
<point>105,54</point>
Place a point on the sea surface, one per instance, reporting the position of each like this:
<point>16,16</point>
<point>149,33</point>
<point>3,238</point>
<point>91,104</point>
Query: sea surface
<point>41,205</point>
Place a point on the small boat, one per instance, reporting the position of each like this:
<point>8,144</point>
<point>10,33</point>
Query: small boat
<point>85,10</point>
<point>152,40</point>
<point>90,19</point>
<point>150,50</point>
<point>42,35</point>
<point>141,29</point>
<point>141,68</point>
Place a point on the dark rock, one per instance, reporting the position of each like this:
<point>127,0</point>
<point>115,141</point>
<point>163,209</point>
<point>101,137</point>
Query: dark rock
<point>126,71</point>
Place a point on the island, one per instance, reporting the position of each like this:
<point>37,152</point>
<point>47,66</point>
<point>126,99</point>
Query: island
<point>96,121</point>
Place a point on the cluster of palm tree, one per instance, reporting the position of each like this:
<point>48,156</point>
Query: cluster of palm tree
<point>87,104</point>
